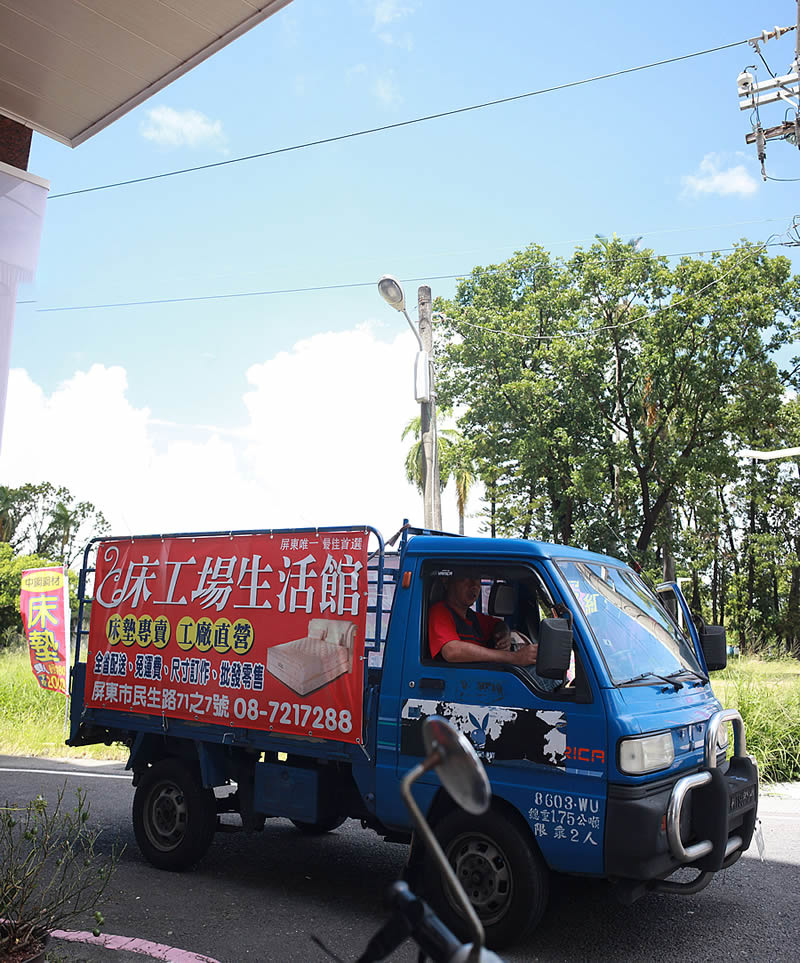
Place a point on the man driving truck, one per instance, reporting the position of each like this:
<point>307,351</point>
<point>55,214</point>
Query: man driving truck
<point>460,634</point>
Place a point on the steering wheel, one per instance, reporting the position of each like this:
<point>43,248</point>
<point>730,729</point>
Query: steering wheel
<point>518,639</point>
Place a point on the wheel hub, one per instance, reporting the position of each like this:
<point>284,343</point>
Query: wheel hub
<point>482,869</point>
<point>168,813</point>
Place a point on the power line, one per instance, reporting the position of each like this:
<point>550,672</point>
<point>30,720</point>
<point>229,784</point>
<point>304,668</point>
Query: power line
<point>403,123</point>
<point>332,287</point>
<point>675,230</point>
<point>443,277</point>
<point>235,294</point>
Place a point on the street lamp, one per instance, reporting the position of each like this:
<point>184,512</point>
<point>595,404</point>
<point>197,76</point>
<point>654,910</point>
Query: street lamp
<point>392,293</point>
<point>391,290</point>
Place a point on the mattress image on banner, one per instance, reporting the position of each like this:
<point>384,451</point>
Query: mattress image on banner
<point>321,656</point>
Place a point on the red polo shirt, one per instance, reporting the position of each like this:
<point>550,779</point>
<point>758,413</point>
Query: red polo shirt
<point>444,625</point>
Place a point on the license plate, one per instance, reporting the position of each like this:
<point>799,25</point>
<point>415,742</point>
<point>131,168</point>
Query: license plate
<point>742,799</point>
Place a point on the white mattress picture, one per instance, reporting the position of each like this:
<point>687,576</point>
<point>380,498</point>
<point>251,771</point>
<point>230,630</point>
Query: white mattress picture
<point>320,657</point>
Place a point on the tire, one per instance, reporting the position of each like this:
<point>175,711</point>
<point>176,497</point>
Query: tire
<point>321,827</point>
<point>174,818</point>
<point>502,872</point>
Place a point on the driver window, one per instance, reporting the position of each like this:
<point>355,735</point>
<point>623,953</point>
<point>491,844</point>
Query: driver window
<point>478,603</point>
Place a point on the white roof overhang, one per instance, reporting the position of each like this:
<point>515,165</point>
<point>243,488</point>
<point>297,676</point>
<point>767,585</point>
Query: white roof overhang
<point>69,68</point>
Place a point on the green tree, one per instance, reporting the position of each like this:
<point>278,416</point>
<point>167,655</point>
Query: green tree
<point>704,375</point>
<point>40,525</point>
<point>604,391</point>
<point>46,520</point>
<point>500,358</point>
<point>11,568</point>
<point>787,521</point>
<point>9,509</point>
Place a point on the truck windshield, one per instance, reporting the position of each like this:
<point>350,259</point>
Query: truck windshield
<point>636,637</point>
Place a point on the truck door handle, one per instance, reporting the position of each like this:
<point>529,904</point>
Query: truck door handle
<point>432,684</point>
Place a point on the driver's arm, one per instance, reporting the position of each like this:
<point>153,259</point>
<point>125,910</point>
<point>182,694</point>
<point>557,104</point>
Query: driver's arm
<point>457,650</point>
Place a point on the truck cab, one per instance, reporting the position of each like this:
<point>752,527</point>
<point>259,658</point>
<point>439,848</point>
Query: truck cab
<point>619,768</point>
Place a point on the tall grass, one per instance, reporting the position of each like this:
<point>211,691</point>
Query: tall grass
<point>32,719</point>
<point>767,695</point>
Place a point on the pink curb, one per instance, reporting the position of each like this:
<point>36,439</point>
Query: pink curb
<point>157,951</point>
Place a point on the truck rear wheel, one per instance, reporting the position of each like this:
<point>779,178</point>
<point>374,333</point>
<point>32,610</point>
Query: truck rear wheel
<point>174,817</point>
<point>504,876</point>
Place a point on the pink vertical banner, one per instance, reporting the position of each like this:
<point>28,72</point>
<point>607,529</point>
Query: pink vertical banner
<point>44,606</point>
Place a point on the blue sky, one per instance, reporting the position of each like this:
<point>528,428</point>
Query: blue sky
<point>254,410</point>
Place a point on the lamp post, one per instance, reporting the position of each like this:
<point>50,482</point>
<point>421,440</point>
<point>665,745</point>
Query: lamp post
<point>392,293</point>
<point>768,455</point>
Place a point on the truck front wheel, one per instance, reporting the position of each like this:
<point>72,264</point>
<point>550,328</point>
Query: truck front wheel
<point>504,876</point>
<point>174,817</point>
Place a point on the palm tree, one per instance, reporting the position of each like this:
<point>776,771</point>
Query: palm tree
<point>457,464</point>
<point>414,456</point>
<point>454,462</point>
<point>63,523</point>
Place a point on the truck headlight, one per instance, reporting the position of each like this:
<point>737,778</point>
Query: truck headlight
<point>646,753</point>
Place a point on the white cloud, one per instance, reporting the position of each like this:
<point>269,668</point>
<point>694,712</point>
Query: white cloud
<point>390,11</point>
<point>382,86</point>
<point>332,411</point>
<point>182,128</point>
<point>403,40</point>
<point>711,178</point>
<point>321,444</point>
<point>385,89</point>
<point>356,70</point>
<point>386,14</point>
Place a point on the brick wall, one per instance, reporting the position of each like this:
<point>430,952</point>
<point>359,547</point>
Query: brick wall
<point>15,143</point>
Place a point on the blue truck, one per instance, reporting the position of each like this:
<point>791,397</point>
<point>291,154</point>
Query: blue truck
<point>610,758</point>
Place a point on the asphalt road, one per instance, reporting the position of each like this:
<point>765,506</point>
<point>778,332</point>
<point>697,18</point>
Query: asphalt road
<point>262,897</point>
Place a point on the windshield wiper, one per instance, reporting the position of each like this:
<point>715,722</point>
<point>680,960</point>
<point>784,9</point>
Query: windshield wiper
<point>697,675</point>
<point>653,675</point>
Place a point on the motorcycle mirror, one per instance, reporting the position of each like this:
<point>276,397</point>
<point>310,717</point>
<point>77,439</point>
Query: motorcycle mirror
<point>458,766</point>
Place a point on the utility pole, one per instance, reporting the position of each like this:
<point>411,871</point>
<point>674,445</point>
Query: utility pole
<point>785,88</point>
<point>431,493</point>
<point>392,293</point>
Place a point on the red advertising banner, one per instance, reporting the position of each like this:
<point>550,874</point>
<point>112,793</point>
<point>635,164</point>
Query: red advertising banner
<point>44,606</point>
<point>254,631</point>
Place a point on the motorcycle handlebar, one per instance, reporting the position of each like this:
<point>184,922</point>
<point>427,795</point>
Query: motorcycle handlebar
<point>412,917</point>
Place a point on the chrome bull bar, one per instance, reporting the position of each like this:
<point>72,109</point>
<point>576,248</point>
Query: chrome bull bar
<point>682,788</point>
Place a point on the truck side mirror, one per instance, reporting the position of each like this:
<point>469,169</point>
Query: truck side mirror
<point>555,648</point>
<point>715,650</point>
